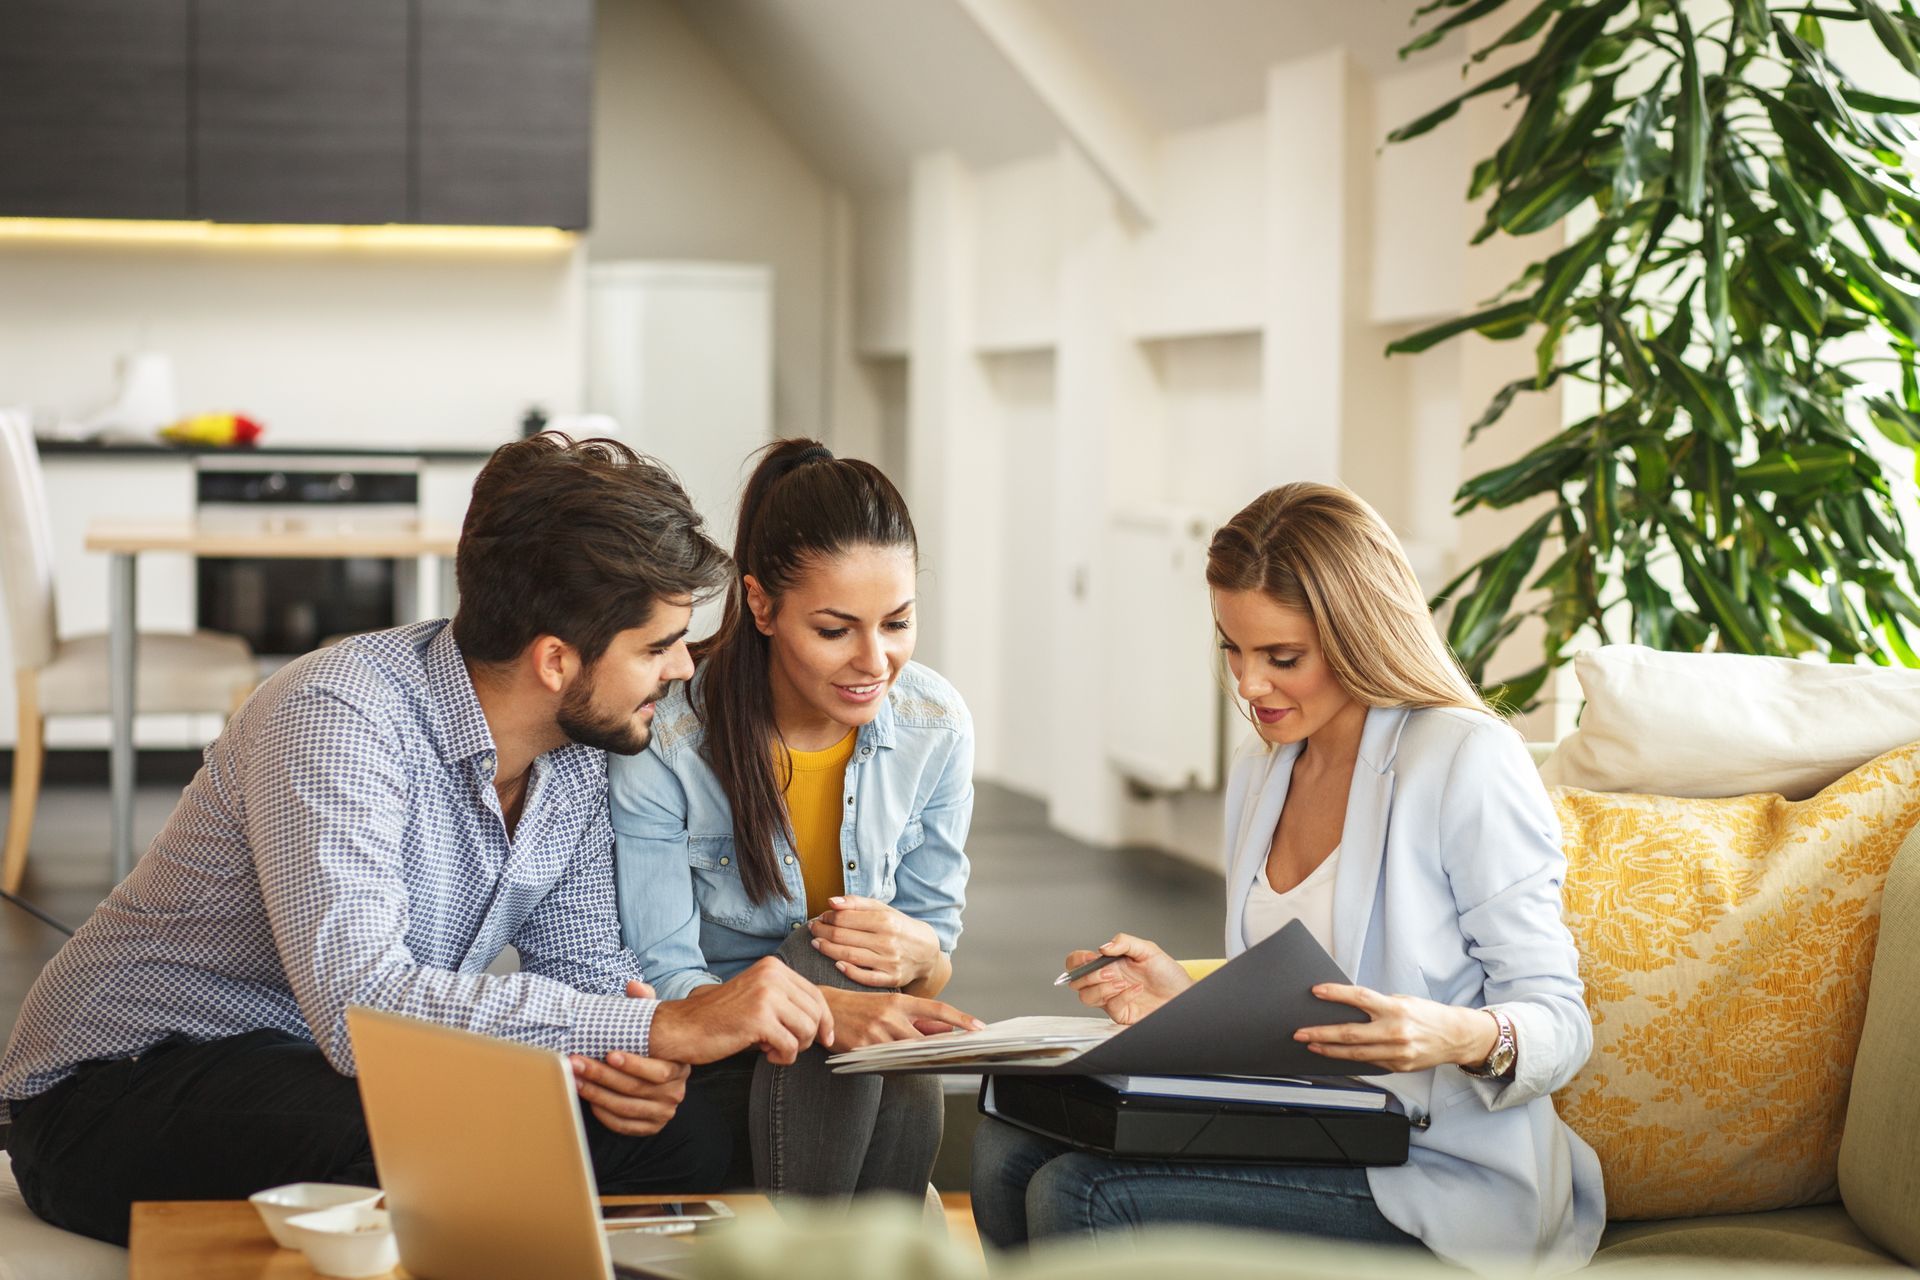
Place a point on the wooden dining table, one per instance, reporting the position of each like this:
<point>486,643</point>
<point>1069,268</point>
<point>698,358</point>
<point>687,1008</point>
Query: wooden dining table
<point>124,542</point>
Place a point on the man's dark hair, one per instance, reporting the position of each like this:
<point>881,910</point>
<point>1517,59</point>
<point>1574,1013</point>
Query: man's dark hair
<point>577,540</point>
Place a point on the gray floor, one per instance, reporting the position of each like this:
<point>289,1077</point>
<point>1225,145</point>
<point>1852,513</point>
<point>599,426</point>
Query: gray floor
<point>1035,895</point>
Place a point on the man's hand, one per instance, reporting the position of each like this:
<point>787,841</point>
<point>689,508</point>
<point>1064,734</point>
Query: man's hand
<point>875,944</point>
<point>768,1006</point>
<point>630,1094</point>
<point>861,1018</point>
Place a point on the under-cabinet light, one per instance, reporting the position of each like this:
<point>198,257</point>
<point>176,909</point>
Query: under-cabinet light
<point>390,235</point>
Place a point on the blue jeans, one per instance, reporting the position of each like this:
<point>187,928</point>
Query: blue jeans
<point>1026,1187</point>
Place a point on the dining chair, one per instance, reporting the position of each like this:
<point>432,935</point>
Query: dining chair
<point>204,672</point>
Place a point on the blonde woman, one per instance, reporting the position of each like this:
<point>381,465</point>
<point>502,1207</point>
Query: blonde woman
<point>1388,809</point>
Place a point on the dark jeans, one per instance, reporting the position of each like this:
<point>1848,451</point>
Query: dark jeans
<point>226,1118</point>
<point>804,1131</point>
<point>1027,1188</point>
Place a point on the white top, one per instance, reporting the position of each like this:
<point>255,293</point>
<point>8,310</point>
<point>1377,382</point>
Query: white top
<point>1310,902</point>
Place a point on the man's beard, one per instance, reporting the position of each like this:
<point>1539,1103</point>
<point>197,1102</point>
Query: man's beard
<point>620,734</point>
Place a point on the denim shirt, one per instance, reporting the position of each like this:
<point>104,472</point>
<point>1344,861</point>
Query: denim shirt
<point>684,910</point>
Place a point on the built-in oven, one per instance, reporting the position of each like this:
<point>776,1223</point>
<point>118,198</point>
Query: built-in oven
<point>287,607</point>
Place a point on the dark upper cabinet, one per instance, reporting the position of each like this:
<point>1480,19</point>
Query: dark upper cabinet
<point>439,111</point>
<point>505,91</point>
<point>300,110</point>
<point>93,108</point>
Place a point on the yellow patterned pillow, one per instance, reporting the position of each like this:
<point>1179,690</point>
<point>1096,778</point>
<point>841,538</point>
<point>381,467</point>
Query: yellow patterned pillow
<point>1726,946</point>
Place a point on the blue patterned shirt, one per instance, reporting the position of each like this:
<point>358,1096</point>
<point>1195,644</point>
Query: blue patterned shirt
<point>343,844</point>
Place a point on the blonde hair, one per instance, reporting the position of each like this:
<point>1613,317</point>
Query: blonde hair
<point>1323,551</point>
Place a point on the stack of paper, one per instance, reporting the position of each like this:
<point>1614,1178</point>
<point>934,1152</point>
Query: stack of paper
<point>1291,1091</point>
<point>1035,1042</point>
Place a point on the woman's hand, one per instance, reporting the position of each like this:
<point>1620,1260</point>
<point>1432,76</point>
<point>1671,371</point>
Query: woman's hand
<point>1133,988</point>
<point>874,944</point>
<point>861,1018</point>
<point>1405,1033</point>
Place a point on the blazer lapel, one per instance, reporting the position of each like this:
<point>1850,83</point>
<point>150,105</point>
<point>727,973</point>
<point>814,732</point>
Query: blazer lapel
<point>1255,836</point>
<point>1363,840</point>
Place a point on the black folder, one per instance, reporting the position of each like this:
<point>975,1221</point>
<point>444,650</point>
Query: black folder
<point>1238,1021</point>
<point>1091,1116</point>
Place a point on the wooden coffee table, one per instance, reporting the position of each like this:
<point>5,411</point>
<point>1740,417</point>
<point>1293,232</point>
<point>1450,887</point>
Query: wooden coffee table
<point>225,1239</point>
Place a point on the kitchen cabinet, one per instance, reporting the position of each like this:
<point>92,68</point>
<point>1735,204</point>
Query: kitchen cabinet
<point>93,108</point>
<point>505,99</point>
<point>301,111</point>
<point>470,112</point>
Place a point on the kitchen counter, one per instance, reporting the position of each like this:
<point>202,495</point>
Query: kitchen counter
<point>160,448</point>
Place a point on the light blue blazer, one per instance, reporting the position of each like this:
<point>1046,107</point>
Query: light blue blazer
<point>1448,887</point>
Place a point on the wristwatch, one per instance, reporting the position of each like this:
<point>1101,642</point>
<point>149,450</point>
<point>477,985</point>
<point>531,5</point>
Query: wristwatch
<point>1499,1063</point>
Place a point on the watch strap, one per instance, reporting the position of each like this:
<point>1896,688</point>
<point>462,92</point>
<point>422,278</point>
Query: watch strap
<point>1500,1061</point>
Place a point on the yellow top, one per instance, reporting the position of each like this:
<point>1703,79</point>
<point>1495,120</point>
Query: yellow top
<point>814,791</point>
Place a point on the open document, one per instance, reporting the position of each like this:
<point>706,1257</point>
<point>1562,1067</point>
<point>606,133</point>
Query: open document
<point>1238,1021</point>
<point>1035,1042</point>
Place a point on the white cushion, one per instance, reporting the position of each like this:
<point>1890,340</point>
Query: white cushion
<point>176,673</point>
<point>1723,724</point>
<point>32,1250</point>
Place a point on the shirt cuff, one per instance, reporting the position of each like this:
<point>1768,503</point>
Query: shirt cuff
<point>612,1024</point>
<point>1533,1059</point>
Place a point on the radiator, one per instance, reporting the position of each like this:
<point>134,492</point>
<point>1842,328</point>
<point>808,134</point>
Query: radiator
<point>1164,698</point>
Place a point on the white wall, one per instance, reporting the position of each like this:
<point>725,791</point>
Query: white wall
<point>687,164</point>
<point>370,346</point>
<point>1235,343</point>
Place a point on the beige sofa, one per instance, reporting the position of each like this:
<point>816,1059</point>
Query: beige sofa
<point>1877,1220</point>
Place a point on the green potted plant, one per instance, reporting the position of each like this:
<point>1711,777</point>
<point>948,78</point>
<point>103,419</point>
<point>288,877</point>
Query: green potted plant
<point>1741,289</point>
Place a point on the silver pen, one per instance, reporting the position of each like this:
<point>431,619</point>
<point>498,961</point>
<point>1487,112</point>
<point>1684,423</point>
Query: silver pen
<point>1080,971</point>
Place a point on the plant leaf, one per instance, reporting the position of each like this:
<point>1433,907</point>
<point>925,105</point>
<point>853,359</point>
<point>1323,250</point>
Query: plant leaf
<point>1540,204</point>
<point>1495,322</point>
<point>1638,144</point>
<point>1438,32</point>
<point>1449,109</point>
<point>1518,693</point>
<point>1708,402</point>
<point>1477,616</point>
<point>1891,34</point>
<point>1525,29</point>
<point>1798,470</point>
<point>1690,123</point>
<point>1716,261</point>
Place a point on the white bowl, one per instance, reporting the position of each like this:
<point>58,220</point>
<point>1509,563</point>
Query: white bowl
<point>351,1241</point>
<point>277,1204</point>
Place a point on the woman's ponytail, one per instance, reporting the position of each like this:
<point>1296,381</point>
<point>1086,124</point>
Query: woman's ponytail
<point>800,505</point>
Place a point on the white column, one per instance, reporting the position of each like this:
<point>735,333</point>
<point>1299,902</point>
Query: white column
<point>1313,236</point>
<point>1108,450</point>
<point>851,416</point>
<point>954,452</point>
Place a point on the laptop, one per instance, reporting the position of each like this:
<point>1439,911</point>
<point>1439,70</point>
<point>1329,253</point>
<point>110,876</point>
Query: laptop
<point>483,1156</point>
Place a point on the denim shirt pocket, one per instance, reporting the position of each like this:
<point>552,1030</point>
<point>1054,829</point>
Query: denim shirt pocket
<point>717,886</point>
<point>912,836</point>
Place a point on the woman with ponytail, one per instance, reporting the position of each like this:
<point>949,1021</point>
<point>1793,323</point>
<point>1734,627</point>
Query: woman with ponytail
<point>807,796</point>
